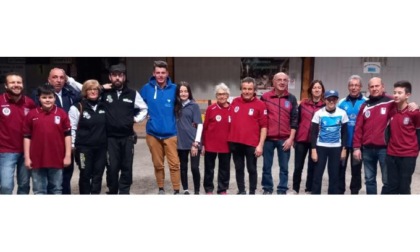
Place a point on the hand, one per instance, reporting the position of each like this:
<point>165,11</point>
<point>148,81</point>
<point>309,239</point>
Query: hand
<point>107,86</point>
<point>258,151</point>
<point>413,106</point>
<point>287,144</point>
<point>194,151</point>
<point>28,163</point>
<point>314,155</point>
<point>357,155</point>
<point>67,161</point>
<point>343,154</point>
<point>202,151</point>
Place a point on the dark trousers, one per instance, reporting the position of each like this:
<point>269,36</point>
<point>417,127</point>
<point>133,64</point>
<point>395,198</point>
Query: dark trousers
<point>223,175</point>
<point>67,174</point>
<point>400,171</point>
<point>91,162</point>
<point>195,169</point>
<point>332,155</point>
<point>120,158</point>
<point>240,152</point>
<point>301,150</point>
<point>356,174</point>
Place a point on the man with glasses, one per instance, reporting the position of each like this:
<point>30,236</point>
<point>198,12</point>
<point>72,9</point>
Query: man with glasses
<point>282,111</point>
<point>351,104</point>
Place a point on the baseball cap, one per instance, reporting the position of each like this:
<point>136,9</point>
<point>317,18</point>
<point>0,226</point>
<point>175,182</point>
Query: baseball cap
<point>117,68</point>
<point>331,93</point>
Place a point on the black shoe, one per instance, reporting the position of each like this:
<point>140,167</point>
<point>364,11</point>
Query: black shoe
<point>354,192</point>
<point>197,192</point>
<point>176,192</point>
<point>252,193</point>
<point>161,191</point>
<point>241,193</point>
<point>281,192</point>
<point>186,192</point>
<point>267,192</point>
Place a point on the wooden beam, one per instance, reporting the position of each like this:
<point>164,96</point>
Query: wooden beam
<point>171,68</point>
<point>308,65</point>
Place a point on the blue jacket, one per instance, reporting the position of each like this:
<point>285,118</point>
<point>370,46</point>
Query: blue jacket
<point>161,102</point>
<point>352,110</point>
<point>69,96</point>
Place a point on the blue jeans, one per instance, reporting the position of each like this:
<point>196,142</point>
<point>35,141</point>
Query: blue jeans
<point>283,159</point>
<point>47,181</point>
<point>371,156</point>
<point>9,162</point>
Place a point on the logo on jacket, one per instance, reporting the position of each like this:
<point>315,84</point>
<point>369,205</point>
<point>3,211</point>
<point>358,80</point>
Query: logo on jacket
<point>287,104</point>
<point>218,118</point>
<point>6,111</point>
<point>101,111</point>
<point>57,119</point>
<point>127,100</point>
<point>251,111</point>
<point>383,111</point>
<point>109,99</point>
<point>406,120</point>
<point>367,114</point>
<point>236,109</point>
<point>86,115</point>
<point>25,111</point>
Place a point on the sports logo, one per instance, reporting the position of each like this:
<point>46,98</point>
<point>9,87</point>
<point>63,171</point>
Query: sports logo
<point>218,118</point>
<point>287,104</point>
<point>383,111</point>
<point>109,99</point>
<point>236,109</point>
<point>86,115</point>
<point>127,100</point>
<point>367,114</point>
<point>406,120</point>
<point>251,111</point>
<point>6,111</point>
<point>57,119</point>
<point>26,111</point>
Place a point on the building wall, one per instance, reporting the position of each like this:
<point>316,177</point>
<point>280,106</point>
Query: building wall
<point>335,71</point>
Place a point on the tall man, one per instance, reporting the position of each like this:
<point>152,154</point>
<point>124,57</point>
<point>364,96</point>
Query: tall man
<point>369,136</point>
<point>124,107</point>
<point>159,95</point>
<point>67,93</point>
<point>282,124</point>
<point>351,104</point>
<point>14,107</point>
<point>248,129</point>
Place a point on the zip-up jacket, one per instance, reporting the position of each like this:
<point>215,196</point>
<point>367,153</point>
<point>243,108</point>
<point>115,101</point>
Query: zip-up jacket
<point>282,114</point>
<point>120,111</point>
<point>306,111</point>
<point>371,122</point>
<point>352,111</point>
<point>91,128</point>
<point>161,101</point>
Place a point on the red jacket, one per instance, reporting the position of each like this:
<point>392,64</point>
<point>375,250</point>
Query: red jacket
<point>282,114</point>
<point>216,129</point>
<point>306,111</point>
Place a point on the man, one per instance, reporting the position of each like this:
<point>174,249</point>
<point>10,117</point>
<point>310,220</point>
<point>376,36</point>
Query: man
<point>161,134</point>
<point>282,124</point>
<point>67,93</point>
<point>14,107</point>
<point>124,107</point>
<point>369,137</point>
<point>351,104</point>
<point>247,142</point>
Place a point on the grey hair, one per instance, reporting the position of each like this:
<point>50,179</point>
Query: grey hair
<point>356,77</point>
<point>251,80</point>
<point>223,87</point>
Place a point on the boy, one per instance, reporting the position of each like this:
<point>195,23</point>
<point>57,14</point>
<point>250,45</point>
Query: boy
<point>403,146</point>
<point>47,143</point>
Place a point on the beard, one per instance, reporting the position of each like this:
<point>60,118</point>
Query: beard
<point>15,92</point>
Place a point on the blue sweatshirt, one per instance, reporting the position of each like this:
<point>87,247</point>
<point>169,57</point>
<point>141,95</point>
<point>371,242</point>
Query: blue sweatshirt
<point>160,101</point>
<point>352,109</point>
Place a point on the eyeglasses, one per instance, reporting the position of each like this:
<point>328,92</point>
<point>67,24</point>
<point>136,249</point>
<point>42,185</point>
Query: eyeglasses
<point>221,94</point>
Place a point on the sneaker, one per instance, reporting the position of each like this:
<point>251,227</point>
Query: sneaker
<point>308,192</point>
<point>241,193</point>
<point>281,192</point>
<point>267,192</point>
<point>252,193</point>
<point>196,192</point>
<point>223,193</point>
<point>186,192</point>
<point>161,191</point>
<point>292,192</point>
<point>209,193</point>
<point>176,192</point>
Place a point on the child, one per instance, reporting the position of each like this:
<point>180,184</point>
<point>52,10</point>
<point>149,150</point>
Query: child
<point>47,143</point>
<point>403,146</point>
<point>189,126</point>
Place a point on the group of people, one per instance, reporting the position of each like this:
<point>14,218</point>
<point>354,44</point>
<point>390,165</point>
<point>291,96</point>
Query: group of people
<point>91,125</point>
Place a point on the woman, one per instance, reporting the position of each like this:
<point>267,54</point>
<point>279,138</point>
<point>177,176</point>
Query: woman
<point>189,126</point>
<point>88,129</point>
<point>328,138</point>
<point>306,111</point>
<point>215,134</point>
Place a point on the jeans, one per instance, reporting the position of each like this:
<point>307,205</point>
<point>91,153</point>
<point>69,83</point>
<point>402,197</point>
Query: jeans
<point>400,172</point>
<point>283,159</point>
<point>8,163</point>
<point>301,150</point>
<point>371,156</point>
<point>47,180</point>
